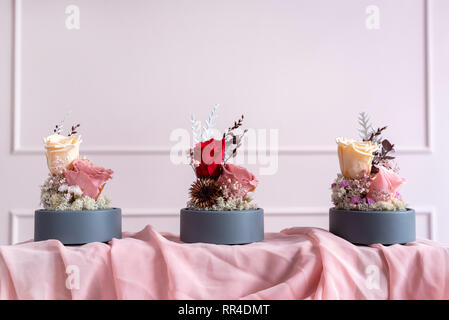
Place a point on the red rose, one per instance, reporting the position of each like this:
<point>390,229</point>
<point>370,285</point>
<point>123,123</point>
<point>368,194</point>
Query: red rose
<point>210,155</point>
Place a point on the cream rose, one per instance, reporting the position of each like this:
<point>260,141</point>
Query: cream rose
<point>61,151</point>
<point>355,157</point>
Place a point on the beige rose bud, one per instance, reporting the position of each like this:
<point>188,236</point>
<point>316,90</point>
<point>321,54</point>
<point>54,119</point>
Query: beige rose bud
<point>61,151</point>
<point>355,157</point>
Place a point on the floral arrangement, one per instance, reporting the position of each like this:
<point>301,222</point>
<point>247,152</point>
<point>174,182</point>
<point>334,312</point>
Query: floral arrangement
<point>219,185</point>
<point>74,183</point>
<point>369,178</point>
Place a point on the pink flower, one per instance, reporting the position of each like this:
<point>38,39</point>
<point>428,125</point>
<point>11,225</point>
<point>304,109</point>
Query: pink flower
<point>89,177</point>
<point>355,200</point>
<point>386,181</point>
<point>344,184</point>
<point>238,180</point>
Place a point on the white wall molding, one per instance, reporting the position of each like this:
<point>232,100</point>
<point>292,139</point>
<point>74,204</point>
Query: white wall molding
<point>298,212</point>
<point>18,148</point>
<point>17,72</point>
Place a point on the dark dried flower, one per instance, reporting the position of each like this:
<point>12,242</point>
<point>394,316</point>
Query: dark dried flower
<point>204,192</point>
<point>382,156</point>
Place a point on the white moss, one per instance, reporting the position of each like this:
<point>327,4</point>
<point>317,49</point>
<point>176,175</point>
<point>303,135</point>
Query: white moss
<point>392,205</point>
<point>228,204</point>
<point>57,195</point>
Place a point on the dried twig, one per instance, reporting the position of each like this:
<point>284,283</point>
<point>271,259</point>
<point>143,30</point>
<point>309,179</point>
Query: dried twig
<point>376,135</point>
<point>233,141</point>
<point>58,129</point>
<point>73,130</point>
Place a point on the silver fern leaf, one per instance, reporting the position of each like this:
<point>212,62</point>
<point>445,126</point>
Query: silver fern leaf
<point>366,128</point>
<point>210,123</point>
<point>196,130</point>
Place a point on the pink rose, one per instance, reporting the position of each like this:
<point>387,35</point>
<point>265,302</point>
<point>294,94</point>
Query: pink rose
<point>89,177</point>
<point>238,180</point>
<point>385,182</point>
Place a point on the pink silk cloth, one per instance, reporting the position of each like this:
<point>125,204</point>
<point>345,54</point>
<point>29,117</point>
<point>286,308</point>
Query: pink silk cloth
<point>297,263</point>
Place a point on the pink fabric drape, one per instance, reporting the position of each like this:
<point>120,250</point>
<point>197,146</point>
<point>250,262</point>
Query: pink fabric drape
<point>297,263</point>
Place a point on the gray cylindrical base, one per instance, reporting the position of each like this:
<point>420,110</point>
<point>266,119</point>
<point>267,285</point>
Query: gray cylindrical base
<point>222,227</point>
<point>370,227</point>
<point>78,227</point>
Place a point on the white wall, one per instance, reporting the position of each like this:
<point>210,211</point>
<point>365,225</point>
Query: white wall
<point>136,70</point>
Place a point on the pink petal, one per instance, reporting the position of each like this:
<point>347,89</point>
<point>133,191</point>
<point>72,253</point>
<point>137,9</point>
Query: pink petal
<point>89,177</point>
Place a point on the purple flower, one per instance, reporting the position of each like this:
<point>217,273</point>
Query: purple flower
<point>355,200</point>
<point>333,185</point>
<point>370,200</point>
<point>398,196</point>
<point>344,184</point>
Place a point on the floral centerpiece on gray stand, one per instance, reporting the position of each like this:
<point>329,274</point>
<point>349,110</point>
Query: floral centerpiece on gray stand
<point>75,211</point>
<point>220,209</point>
<point>368,207</point>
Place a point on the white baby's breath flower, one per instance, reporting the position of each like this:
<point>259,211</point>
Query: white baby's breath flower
<point>77,204</point>
<point>227,204</point>
<point>63,188</point>
<point>76,191</point>
<point>57,195</point>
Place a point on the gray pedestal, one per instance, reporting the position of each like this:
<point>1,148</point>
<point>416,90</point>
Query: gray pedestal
<point>78,227</point>
<point>370,227</point>
<point>222,227</point>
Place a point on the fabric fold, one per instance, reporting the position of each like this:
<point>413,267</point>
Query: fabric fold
<point>296,263</point>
